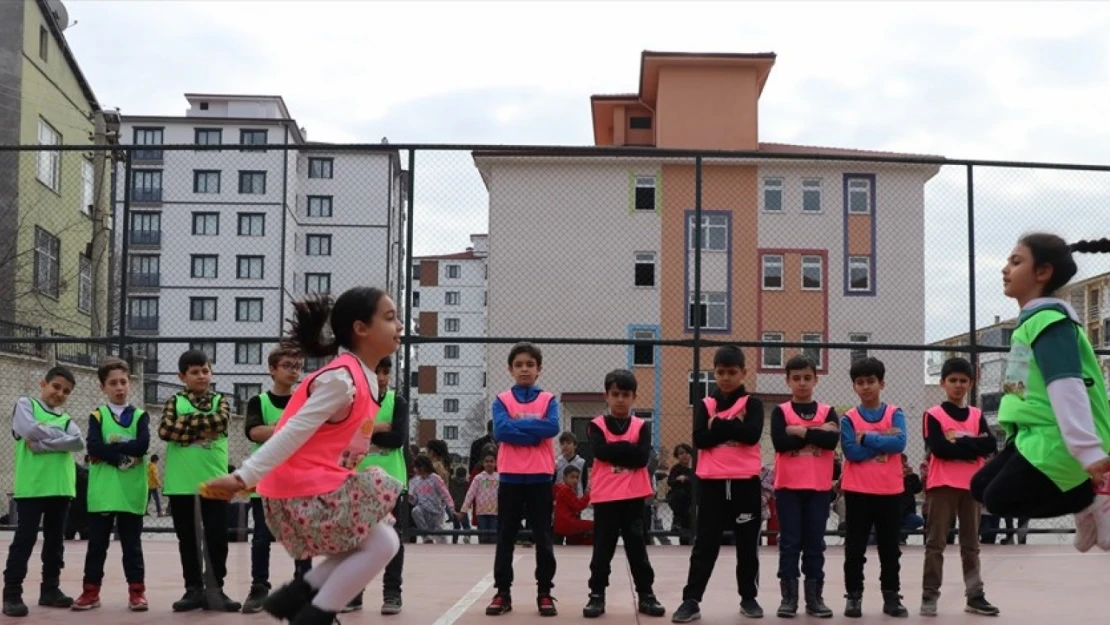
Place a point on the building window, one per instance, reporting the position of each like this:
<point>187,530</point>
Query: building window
<point>858,338</point>
<point>88,186</point>
<point>643,355</point>
<point>252,182</point>
<point>319,205</point>
<point>44,42</point>
<point>208,348</point>
<point>146,185</point>
<point>859,273</point>
<point>811,195</point>
<point>703,386</point>
<point>450,432</point>
<point>771,356</point>
<point>253,137</point>
<point>451,352</point>
<point>205,265</point>
<point>772,272</point>
<point>243,391</point>
<point>450,378</point>
<point>208,136</point>
<point>144,271</point>
<point>812,273</point>
<point>320,167</point>
<point>252,224</point>
<point>414,380</point>
<point>416,272</point>
<point>249,267</point>
<point>451,324</point>
<point>416,299</point>
<point>147,137</point>
<point>84,284</point>
<point>454,272</point>
<point>206,224</point>
<point>47,254</point>
<point>711,314</point>
<point>146,228</point>
<point>772,195</point>
<point>318,245</point>
<point>639,123</point>
<point>248,353</point>
<point>452,298</point>
<point>142,314</point>
<point>714,233</point>
<point>206,181</point>
<point>859,196</point>
<point>645,193</point>
<point>248,309</point>
<point>645,269</point>
<point>814,353</point>
<point>450,405</point>
<point>317,283</point>
<point>202,309</point>
<point>49,161</point>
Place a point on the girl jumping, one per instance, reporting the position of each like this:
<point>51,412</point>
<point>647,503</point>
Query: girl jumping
<point>1054,407</point>
<point>316,503</point>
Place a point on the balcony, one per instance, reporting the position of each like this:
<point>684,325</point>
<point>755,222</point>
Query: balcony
<point>146,237</point>
<point>146,155</point>
<point>142,324</point>
<point>144,280</point>
<point>152,196</point>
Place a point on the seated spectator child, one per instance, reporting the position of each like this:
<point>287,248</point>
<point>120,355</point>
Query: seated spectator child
<point>569,524</point>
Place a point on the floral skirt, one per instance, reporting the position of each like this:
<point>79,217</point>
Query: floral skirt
<point>335,522</point>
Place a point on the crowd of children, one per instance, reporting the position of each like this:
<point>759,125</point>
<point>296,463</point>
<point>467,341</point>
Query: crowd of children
<point>328,470</point>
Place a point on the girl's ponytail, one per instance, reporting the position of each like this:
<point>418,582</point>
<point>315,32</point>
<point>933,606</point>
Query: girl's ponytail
<point>310,315</point>
<point>1099,246</point>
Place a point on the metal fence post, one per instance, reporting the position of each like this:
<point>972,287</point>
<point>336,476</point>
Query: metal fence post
<point>697,323</point>
<point>407,382</point>
<point>973,340</point>
<point>124,251</point>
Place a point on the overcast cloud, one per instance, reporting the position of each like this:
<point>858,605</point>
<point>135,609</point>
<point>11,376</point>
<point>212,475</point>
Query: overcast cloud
<point>1007,81</point>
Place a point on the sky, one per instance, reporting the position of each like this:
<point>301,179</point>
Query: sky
<point>999,81</point>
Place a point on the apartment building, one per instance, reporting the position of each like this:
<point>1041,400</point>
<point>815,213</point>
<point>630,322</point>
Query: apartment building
<point>219,241</point>
<point>449,379</point>
<point>600,246</point>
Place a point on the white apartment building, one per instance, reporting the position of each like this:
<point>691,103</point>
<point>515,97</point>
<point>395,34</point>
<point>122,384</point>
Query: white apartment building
<point>449,379</point>
<point>218,242</point>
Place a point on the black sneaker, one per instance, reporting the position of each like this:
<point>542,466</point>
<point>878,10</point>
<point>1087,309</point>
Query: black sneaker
<point>53,597</point>
<point>595,607</point>
<point>355,604</point>
<point>546,604</point>
<point>193,599</point>
<point>980,605</point>
<point>391,605</point>
<point>14,606</point>
<point>686,612</point>
<point>853,608</point>
<point>223,604</point>
<point>502,603</point>
<point>650,606</point>
<point>892,605</point>
<point>255,597</point>
<point>750,608</point>
<point>285,602</point>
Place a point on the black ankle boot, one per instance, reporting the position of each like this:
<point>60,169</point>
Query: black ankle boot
<point>312,615</point>
<point>649,605</point>
<point>815,604</point>
<point>892,605</point>
<point>286,602</point>
<point>595,606</point>
<point>789,606</point>
<point>853,608</point>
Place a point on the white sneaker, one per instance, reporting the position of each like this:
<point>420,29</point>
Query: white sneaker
<point>1086,529</point>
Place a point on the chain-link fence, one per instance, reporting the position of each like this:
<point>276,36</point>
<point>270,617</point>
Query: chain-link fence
<point>645,260</point>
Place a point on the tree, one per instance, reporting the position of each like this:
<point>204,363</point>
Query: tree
<point>474,425</point>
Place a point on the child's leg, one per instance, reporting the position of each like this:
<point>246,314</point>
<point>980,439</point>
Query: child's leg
<point>746,510</point>
<point>943,503</point>
<point>815,518</point>
<point>100,536</point>
<point>353,571</point>
<point>29,512</point>
<point>539,507</point>
<point>635,548</point>
<point>888,525</point>
<point>391,579</point>
<point>130,528</point>
<point>487,523</point>
<point>213,514</point>
<point>712,511</point>
<point>53,539</point>
<point>261,540</point>
<point>789,505</point>
<point>510,511</point>
<point>860,517</point>
<point>607,530</point>
<point>181,511</point>
<point>967,511</point>
<point>1011,486</point>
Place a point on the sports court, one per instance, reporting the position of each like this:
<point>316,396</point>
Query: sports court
<point>447,584</point>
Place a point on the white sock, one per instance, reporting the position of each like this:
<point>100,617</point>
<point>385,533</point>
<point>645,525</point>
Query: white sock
<point>357,568</point>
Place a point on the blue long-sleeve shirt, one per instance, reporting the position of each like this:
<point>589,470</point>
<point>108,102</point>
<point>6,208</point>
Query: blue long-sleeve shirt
<point>873,443</point>
<point>527,432</point>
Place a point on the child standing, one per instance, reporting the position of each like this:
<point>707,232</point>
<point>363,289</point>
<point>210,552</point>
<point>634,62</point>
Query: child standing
<point>525,419</point>
<point>317,502</point>
<point>263,413</point>
<point>805,435</point>
<point>569,523</point>
<point>45,483</point>
<point>621,444</point>
<point>118,440</point>
<point>873,436</point>
<point>194,427</point>
<point>482,497</point>
<point>568,457</point>
<point>1054,408</point>
<point>958,439</point>
<point>680,482</point>
<point>154,484</point>
<point>728,426</point>
<point>429,497</point>
<point>457,487</point>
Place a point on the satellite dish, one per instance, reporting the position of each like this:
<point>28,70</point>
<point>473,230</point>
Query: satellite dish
<point>61,15</point>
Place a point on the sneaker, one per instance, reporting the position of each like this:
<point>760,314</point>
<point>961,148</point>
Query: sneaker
<point>750,608</point>
<point>14,606</point>
<point>1086,530</point>
<point>391,605</point>
<point>929,606</point>
<point>223,604</point>
<point>89,599</point>
<point>650,606</point>
<point>354,605</point>
<point>502,603</point>
<point>136,598</point>
<point>53,597</point>
<point>595,606</point>
<point>892,605</point>
<point>193,599</point>
<point>853,607</point>
<point>255,597</point>
<point>980,605</point>
<point>546,604</point>
<point>687,612</point>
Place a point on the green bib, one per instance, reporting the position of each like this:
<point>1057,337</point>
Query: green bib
<point>48,473</point>
<point>1025,412</point>
<point>112,489</point>
<point>189,466</point>
<point>271,414</point>
<point>392,461</point>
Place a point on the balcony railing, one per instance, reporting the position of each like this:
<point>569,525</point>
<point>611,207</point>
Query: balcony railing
<point>146,237</point>
<point>147,280</point>
<point>147,155</point>
<point>145,324</point>
<point>146,195</point>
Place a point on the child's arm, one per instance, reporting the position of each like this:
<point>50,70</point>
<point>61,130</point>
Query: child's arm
<point>1057,352</point>
<point>985,444</point>
<point>704,437</point>
<point>853,450</point>
<point>621,453</point>
<point>98,449</point>
<point>217,423</point>
<point>505,428</point>
<point>747,430</point>
<point>825,437</point>
<point>545,428</point>
<point>254,426</point>
<point>943,448</point>
<point>471,493</point>
<point>445,498</point>
<point>172,428</point>
<point>25,426</point>
<point>137,447</point>
<point>782,441</point>
<point>398,434</point>
<point>889,443</point>
<point>69,440</point>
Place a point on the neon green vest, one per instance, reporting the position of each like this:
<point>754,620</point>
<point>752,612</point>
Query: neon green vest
<point>48,473</point>
<point>112,489</point>
<point>271,414</point>
<point>1025,412</point>
<point>392,461</point>
<point>188,466</point>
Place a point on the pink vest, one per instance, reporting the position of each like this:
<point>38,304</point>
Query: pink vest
<point>531,460</point>
<point>612,483</point>
<point>731,460</point>
<point>881,475</point>
<point>810,468</point>
<point>954,473</point>
<point>314,468</point>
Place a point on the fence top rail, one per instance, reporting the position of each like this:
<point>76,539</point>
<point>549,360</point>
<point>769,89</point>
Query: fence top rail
<point>493,150</point>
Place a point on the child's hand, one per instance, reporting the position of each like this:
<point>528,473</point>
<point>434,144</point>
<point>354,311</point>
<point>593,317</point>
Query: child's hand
<point>796,430</point>
<point>829,426</point>
<point>1099,469</point>
<point>380,428</point>
<point>893,432</point>
<point>224,488</point>
<point>859,438</point>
